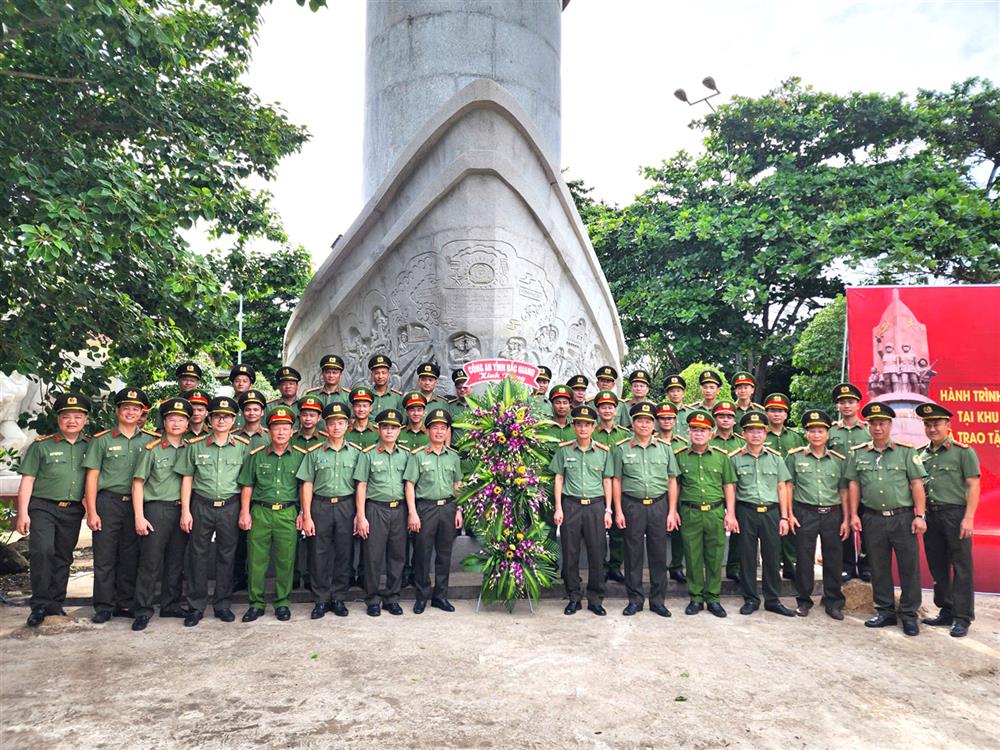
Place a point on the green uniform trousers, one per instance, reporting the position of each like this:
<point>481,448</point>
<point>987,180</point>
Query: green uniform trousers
<point>116,553</point>
<point>823,522</point>
<point>54,534</point>
<point>331,549</point>
<point>272,534</point>
<point>704,536</point>
<point>947,554</point>
<point>885,535</point>
<point>161,558</point>
<point>759,530</point>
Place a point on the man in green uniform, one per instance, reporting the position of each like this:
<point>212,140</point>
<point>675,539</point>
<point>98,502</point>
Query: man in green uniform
<point>702,505</point>
<point>606,378</point>
<point>847,433</point>
<point>427,377</point>
<point>582,471</point>
<point>327,476</point>
<point>414,435</point>
<point>379,517</point>
<point>644,473</point>
<point>744,385</point>
<point>710,383</point>
<point>156,502</point>
<point>241,378</point>
<point>666,424</point>
<point>286,380</point>
<point>674,387</point>
<point>432,479</point>
<point>726,438</point>
<point>252,405</point>
<point>457,403</point>
<point>383,396</point>
<point>332,368</point>
<point>819,508</point>
<point>952,487</point>
<point>310,412</point>
<point>209,468</point>
<point>561,428</point>
<point>269,508</point>
<point>578,384</point>
<point>887,477</point>
<point>49,507</point>
<point>362,433</point>
<point>107,498</point>
<point>609,433</point>
<point>188,376</point>
<point>762,509</point>
<point>782,439</point>
<point>198,424</point>
<point>539,398</point>
<point>638,384</point>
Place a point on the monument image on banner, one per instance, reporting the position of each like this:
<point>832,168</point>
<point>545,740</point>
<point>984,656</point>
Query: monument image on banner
<point>469,246</point>
<point>911,345</point>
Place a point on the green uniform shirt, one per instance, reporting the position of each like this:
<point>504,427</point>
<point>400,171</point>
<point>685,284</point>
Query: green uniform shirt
<point>330,470</point>
<point>681,428</point>
<point>740,411</point>
<point>391,399</point>
<point>362,439</point>
<point>409,439</point>
<point>562,434</point>
<point>817,480</point>
<point>843,439</point>
<point>732,443</point>
<point>583,471</point>
<point>275,403</point>
<point>272,475</point>
<point>757,477</point>
<point>257,439</point>
<point>622,415</point>
<point>189,435</point>
<point>57,466</point>
<point>885,475</point>
<point>644,471</point>
<point>947,469</point>
<point>610,438</point>
<point>318,438</point>
<point>115,456</point>
<point>214,467</point>
<point>784,442</point>
<point>702,475</point>
<point>338,396</point>
<point>541,407</point>
<point>433,474</point>
<point>436,401</point>
<point>383,471</point>
<point>155,467</point>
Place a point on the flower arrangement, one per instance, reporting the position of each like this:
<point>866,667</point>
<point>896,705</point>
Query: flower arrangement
<point>506,494</point>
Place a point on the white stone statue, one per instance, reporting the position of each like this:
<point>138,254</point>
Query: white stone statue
<point>13,390</point>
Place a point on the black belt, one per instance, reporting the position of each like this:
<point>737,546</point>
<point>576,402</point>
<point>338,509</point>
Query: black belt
<point>220,503</point>
<point>760,507</point>
<point>387,503</point>
<point>273,506</point>
<point>939,507</point>
<point>332,500</point>
<point>703,507</point>
<point>116,496</point>
<point>821,509</point>
<point>435,502</point>
<point>584,500</point>
<point>58,503</point>
<point>888,512</point>
<point>644,500</point>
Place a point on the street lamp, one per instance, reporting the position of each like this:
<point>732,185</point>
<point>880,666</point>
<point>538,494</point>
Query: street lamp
<point>709,83</point>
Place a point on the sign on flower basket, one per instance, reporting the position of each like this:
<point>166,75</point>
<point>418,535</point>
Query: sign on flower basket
<point>495,370</point>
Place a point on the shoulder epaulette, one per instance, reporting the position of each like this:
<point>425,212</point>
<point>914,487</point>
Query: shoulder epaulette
<point>733,453</point>
<point>602,446</point>
<point>154,433</point>
<point>198,439</point>
<point>415,451</point>
<point>300,449</point>
<point>40,438</point>
<point>862,445</point>
<point>564,443</point>
<point>315,448</point>
<point>396,391</point>
<point>354,445</point>
<point>905,445</point>
<point>833,453</point>
<point>715,449</point>
<point>102,432</point>
<point>257,450</point>
<point>772,450</point>
<point>451,399</point>
<point>152,444</point>
<point>324,433</point>
<point>242,439</point>
<point>623,440</point>
<point>273,401</point>
<point>799,450</point>
<point>678,450</point>
<point>369,448</point>
<point>681,439</point>
<point>960,445</point>
<point>312,390</point>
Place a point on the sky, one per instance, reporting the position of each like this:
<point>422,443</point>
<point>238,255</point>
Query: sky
<point>621,62</point>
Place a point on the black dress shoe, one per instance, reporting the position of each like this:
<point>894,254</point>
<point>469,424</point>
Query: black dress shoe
<point>226,615</point>
<point>597,609</point>
<point>694,608</point>
<point>177,612</point>
<point>716,609</point>
<point>123,612</point>
<point>36,617</point>
<point>779,609</point>
<point>733,576</point>
<point>749,608</point>
<point>940,620</point>
<point>140,622</point>
<point>866,576</point>
<point>616,575</point>
<point>192,618</point>
<point>101,617</point>
<point>677,575</point>
<point>407,579</point>
<point>788,575</point>
<point>374,610</point>
<point>846,575</point>
<point>252,614</point>
<point>631,608</point>
<point>803,610</point>
<point>572,608</point>
<point>339,608</point>
<point>319,609</point>
<point>283,613</point>
<point>419,606</point>
<point>393,608</point>
<point>835,613</point>
<point>958,630</point>
<point>442,604</point>
<point>659,609</point>
<point>910,627</point>
<point>880,621</point>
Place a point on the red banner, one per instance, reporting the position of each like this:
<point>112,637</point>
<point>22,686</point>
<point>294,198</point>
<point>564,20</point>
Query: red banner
<point>908,345</point>
<point>495,370</point>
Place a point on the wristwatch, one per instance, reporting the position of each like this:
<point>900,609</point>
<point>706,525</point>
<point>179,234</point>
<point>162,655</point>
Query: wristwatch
<point>608,510</point>
<point>921,516</point>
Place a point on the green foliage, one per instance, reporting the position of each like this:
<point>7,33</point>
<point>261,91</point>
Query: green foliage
<point>797,191</point>
<point>692,392</point>
<point>125,123</point>
<point>817,356</point>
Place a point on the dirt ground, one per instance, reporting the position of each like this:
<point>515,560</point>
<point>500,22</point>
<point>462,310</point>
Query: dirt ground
<point>468,680</point>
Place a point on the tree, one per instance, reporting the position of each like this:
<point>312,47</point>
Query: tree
<point>692,392</point>
<point>817,357</point>
<point>797,192</point>
<point>123,124</point>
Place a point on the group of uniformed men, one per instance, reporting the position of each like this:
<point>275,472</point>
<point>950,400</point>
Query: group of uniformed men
<point>628,476</point>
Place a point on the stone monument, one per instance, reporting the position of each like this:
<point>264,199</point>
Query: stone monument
<point>469,244</point>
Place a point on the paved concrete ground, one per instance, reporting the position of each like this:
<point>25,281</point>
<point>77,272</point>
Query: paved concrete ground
<point>468,680</point>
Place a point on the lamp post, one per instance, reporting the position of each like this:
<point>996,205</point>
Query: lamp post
<point>709,83</point>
